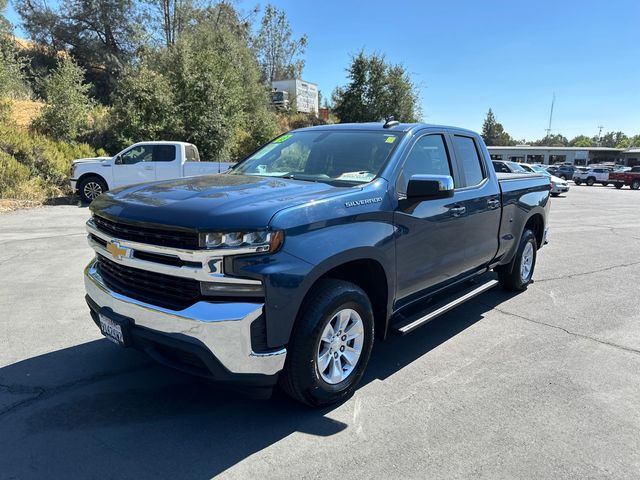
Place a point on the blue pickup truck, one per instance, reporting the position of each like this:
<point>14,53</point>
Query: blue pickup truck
<point>286,268</point>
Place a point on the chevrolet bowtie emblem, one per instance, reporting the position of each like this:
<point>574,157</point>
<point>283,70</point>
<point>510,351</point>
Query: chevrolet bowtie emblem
<point>117,251</point>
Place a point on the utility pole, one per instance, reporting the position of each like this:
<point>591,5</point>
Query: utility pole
<point>553,101</point>
<point>600,127</point>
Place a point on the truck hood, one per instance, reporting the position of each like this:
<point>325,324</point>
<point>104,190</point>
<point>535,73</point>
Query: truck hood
<point>211,202</point>
<point>91,160</point>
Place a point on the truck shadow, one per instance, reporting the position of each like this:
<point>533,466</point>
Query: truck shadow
<point>96,410</point>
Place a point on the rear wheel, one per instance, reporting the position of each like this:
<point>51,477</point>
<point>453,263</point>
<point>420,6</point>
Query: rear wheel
<point>330,345</point>
<point>91,187</point>
<point>591,181</point>
<point>605,184</point>
<point>618,185</point>
<point>635,185</point>
<point>577,181</point>
<point>517,274</point>
<point>554,194</point>
<point>564,177</point>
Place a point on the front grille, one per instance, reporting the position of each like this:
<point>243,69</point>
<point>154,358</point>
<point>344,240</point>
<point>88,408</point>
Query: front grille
<point>174,293</point>
<point>156,236</point>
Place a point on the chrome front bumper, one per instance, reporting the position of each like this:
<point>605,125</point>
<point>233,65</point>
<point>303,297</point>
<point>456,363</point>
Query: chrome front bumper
<point>223,328</point>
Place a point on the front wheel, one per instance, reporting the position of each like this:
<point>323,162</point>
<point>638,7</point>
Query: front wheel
<point>605,184</point>
<point>619,185</point>
<point>330,345</point>
<point>635,185</point>
<point>90,188</point>
<point>554,194</point>
<point>591,181</point>
<point>517,274</point>
<point>577,181</point>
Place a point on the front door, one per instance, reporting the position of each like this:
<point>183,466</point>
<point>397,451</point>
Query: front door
<point>430,247</point>
<point>134,166</point>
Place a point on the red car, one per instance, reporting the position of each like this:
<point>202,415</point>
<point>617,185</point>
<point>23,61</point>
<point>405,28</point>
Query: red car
<point>631,178</point>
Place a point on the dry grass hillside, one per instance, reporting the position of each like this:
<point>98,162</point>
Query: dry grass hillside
<point>24,111</point>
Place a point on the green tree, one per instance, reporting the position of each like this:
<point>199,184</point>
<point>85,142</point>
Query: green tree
<point>552,140</point>
<point>205,89</point>
<point>144,106</point>
<point>102,35</point>
<point>493,132</point>
<point>66,113</point>
<point>581,141</point>
<point>376,90</point>
<point>279,54</point>
<point>12,82</point>
<point>614,140</point>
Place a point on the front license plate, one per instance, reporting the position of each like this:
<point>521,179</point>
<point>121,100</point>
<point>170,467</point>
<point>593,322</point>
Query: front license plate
<point>111,330</point>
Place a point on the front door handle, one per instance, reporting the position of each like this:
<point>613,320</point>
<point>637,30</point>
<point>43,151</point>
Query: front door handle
<point>148,168</point>
<point>457,211</point>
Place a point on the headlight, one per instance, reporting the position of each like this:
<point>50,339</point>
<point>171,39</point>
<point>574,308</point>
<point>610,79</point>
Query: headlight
<point>256,241</point>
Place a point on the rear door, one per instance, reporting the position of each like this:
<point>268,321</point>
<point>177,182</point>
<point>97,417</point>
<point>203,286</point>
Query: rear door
<point>430,245</point>
<point>134,165</point>
<point>167,161</point>
<point>478,194</point>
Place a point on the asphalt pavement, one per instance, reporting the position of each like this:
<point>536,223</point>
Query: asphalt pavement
<point>543,384</point>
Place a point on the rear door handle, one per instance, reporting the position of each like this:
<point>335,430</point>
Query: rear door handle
<point>457,211</point>
<point>493,203</point>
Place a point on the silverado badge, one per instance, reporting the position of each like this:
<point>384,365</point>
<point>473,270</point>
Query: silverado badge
<point>117,251</point>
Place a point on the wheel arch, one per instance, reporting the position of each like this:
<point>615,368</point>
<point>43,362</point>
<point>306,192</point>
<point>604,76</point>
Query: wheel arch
<point>92,174</point>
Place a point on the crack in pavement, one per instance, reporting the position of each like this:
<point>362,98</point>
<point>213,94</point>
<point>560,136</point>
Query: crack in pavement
<point>13,240</point>
<point>42,393</point>
<point>575,334</point>
<point>579,274</point>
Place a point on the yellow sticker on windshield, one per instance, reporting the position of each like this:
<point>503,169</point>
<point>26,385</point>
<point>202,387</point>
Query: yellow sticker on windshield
<point>390,139</point>
<point>282,138</point>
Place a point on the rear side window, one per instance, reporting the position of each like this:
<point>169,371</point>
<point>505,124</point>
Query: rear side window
<point>191,153</point>
<point>500,167</point>
<point>428,156</point>
<point>164,153</point>
<point>467,154</point>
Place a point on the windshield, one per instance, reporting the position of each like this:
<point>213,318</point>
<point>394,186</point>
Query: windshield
<point>539,169</point>
<point>515,168</point>
<point>322,155</point>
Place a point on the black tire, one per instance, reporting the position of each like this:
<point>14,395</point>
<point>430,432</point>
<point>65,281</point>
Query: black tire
<point>635,185</point>
<point>89,186</point>
<point>577,181</point>
<point>618,185</point>
<point>563,177</point>
<point>554,194</point>
<point>301,378</point>
<point>509,275</point>
<point>605,184</point>
<point>591,181</point>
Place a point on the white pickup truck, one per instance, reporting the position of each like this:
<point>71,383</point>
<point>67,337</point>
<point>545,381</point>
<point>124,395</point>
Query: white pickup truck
<point>139,163</point>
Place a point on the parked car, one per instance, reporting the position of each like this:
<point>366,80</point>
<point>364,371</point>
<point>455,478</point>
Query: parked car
<point>558,185</point>
<point>592,176</point>
<point>141,162</point>
<point>565,172</point>
<point>503,166</point>
<point>282,269</point>
<point>631,178</point>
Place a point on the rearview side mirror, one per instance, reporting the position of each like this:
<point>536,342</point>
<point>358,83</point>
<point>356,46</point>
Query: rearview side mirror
<point>118,160</point>
<point>430,187</point>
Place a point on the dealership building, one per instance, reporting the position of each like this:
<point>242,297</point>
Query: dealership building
<point>570,155</point>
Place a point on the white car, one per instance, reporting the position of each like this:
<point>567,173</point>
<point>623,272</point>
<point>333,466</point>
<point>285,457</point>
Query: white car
<point>139,163</point>
<point>592,176</point>
<point>558,185</point>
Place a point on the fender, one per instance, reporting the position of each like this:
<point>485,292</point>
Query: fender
<point>306,257</point>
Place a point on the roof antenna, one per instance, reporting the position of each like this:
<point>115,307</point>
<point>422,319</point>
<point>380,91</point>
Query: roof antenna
<point>390,122</point>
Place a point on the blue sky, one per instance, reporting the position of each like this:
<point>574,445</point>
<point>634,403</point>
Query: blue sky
<point>467,56</point>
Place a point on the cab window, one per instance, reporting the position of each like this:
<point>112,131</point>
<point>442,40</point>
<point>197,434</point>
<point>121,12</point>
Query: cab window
<point>164,153</point>
<point>472,171</point>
